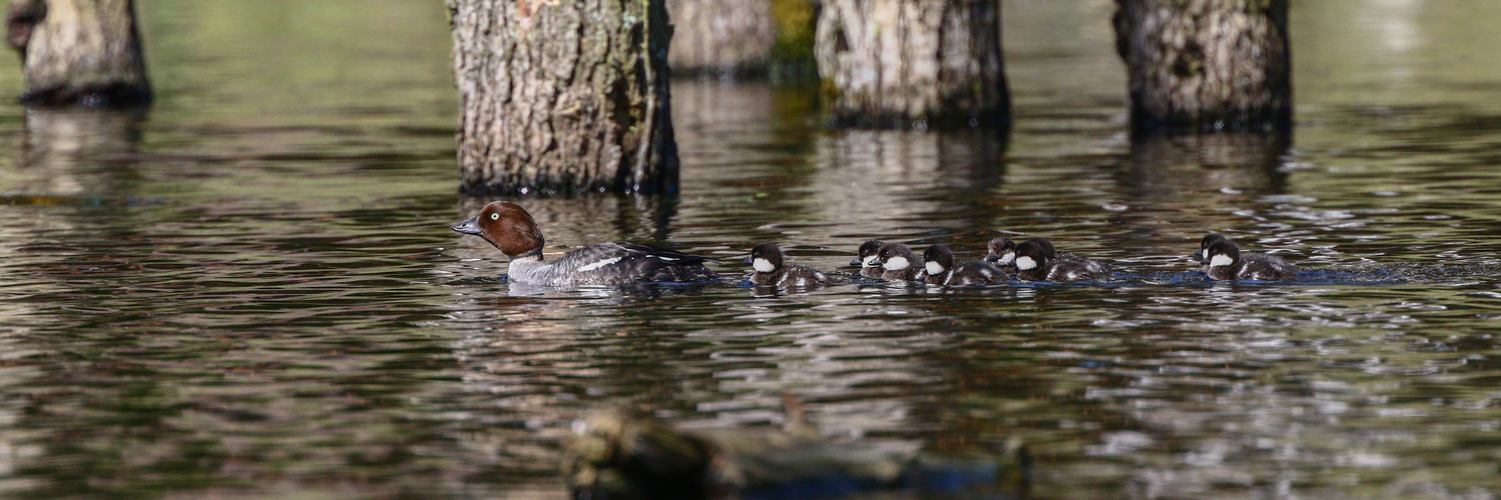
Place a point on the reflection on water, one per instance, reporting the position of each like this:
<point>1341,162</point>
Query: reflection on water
<point>74,153</point>
<point>1182,168</point>
<point>254,290</point>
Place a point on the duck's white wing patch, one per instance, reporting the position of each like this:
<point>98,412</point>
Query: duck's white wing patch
<point>935,268</point>
<point>1008,258</point>
<point>598,264</point>
<point>1025,263</point>
<point>1220,260</point>
<point>896,264</point>
<point>763,266</point>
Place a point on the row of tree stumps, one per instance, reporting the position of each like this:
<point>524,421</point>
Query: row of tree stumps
<point>572,96</point>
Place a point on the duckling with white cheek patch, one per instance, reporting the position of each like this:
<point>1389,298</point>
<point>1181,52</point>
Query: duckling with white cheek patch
<point>1002,254</point>
<point>941,270</point>
<point>1208,239</point>
<point>1223,260</point>
<point>1037,260</point>
<point>898,262</point>
<point>766,259</point>
<point>866,259</point>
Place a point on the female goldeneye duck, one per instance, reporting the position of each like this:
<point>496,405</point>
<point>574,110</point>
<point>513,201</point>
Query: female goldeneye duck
<point>1037,260</point>
<point>766,259</point>
<point>897,262</point>
<point>1223,260</point>
<point>867,259</point>
<point>941,271</point>
<point>509,228</point>
<point>1002,254</point>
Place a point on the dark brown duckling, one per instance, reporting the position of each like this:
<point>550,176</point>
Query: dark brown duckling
<point>1037,260</point>
<point>1223,260</point>
<point>940,270</point>
<point>770,270</point>
<point>897,262</point>
<point>867,257</point>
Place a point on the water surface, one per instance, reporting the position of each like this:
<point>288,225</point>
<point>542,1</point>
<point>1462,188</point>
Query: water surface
<point>251,290</point>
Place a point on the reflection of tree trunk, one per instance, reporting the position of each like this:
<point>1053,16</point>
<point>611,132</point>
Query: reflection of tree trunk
<point>1206,64</point>
<point>925,63</point>
<point>941,181</point>
<point>724,38</point>
<point>563,96</point>
<point>73,152</point>
<point>1163,167</point>
<point>79,51</point>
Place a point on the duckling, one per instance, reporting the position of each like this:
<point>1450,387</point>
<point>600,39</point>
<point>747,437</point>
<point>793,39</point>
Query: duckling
<point>897,262</point>
<point>766,259</point>
<point>867,259</point>
<point>1002,254</point>
<point>1223,260</point>
<point>941,271</point>
<point>1037,260</point>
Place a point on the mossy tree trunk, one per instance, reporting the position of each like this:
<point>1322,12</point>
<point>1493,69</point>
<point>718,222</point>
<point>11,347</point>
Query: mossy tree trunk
<point>79,51</point>
<point>1206,65</point>
<point>563,96</point>
<point>919,63</point>
<point>723,38</point>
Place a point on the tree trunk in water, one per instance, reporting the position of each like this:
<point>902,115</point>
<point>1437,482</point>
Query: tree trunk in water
<point>628,456</point>
<point>79,51</point>
<point>724,38</point>
<point>1206,65</point>
<point>919,63</point>
<point>563,96</point>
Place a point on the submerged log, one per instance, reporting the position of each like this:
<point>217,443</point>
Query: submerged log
<point>622,455</point>
<point>720,38</point>
<point>79,51</point>
<point>563,97</point>
<point>1206,65</point>
<point>918,63</point>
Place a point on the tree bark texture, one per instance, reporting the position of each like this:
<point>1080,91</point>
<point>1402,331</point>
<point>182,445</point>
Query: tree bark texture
<point>624,456</point>
<point>919,63</point>
<point>723,38</point>
<point>1206,65</point>
<point>563,96</point>
<point>79,51</point>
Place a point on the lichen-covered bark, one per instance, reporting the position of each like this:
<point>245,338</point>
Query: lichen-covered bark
<point>79,51</point>
<point>723,38</point>
<point>1206,65</point>
<point>563,96</point>
<point>921,63</point>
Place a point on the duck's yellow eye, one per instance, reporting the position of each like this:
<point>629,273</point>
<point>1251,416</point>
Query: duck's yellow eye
<point>495,216</point>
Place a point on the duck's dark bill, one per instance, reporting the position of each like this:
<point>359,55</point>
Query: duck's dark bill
<point>470,226</point>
